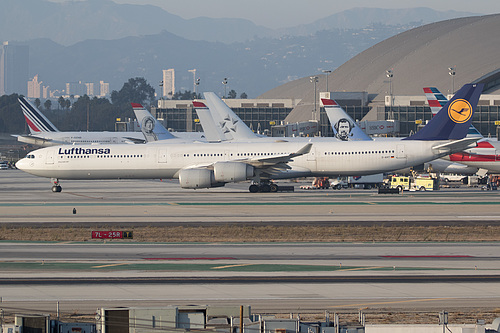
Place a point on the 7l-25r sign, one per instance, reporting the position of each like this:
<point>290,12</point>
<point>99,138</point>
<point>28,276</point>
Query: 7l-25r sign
<point>112,235</point>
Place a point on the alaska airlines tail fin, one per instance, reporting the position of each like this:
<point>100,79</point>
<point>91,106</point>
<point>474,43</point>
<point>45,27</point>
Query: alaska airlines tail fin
<point>344,127</point>
<point>36,120</point>
<point>232,126</point>
<point>152,129</point>
<point>453,120</point>
<point>212,132</point>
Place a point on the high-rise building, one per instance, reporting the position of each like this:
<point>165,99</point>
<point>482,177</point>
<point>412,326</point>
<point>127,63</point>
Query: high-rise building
<point>103,88</point>
<point>90,88</point>
<point>14,68</point>
<point>168,83</point>
<point>34,88</point>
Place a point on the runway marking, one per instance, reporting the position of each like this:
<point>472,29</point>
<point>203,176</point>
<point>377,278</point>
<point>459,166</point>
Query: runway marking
<point>394,302</point>
<point>321,203</point>
<point>110,265</point>
<point>360,268</point>
<point>231,266</point>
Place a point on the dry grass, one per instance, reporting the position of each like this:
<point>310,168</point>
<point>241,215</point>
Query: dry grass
<point>269,233</point>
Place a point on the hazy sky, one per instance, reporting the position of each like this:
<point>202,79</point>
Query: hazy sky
<point>285,13</point>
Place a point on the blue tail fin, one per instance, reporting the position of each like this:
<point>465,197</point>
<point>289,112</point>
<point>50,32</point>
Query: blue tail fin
<point>453,120</point>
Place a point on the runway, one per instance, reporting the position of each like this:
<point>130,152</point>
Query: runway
<point>268,276</point>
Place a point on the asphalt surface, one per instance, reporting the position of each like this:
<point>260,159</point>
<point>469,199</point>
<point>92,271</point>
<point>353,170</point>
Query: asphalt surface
<point>270,277</point>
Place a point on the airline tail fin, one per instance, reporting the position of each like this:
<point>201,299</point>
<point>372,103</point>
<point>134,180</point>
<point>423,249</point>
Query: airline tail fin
<point>36,120</point>
<point>212,132</point>
<point>152,129</point>
<point>232,126</point>
<point>435,99</point>
<point>344,127</point>
<point>453,120</point>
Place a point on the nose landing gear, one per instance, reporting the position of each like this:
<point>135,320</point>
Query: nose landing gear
<point>56,187</point>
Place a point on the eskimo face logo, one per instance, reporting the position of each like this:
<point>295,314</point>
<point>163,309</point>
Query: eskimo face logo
<point>460,111</point>
<point>148,124</point>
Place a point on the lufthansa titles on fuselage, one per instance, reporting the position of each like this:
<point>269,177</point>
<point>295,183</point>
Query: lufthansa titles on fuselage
<point>84,151</point>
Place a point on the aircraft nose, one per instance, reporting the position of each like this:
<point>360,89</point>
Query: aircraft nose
<point>22,164</point>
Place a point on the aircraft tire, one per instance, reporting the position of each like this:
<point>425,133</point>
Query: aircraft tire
<point>273,187</point>
<point>253,188</point>
<point>56,188</point>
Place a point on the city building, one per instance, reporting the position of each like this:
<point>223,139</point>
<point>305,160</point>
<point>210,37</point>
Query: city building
<point>168,83</point>
<point>34,88</point>
<point>103,89</point>
<point>14,68</point>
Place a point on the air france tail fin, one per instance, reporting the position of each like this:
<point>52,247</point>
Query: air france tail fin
<point>152,129</point>
<point>453,120</point>
<point>36,120</point>
<point>212,132</point>
<point>344,127</point>
<point>232,126</point>
<point>437,100</point>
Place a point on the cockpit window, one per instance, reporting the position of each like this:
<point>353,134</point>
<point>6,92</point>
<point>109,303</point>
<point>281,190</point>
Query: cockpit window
<point>30,156</point>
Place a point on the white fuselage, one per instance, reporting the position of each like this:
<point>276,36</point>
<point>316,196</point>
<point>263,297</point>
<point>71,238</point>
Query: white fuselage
<point>148,161</point>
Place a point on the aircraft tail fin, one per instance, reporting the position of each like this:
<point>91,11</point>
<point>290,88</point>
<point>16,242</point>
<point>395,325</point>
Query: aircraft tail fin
<point>344,127</point>
<point>452,122</point>
<point>152,129</point>
<point>232,126</point>
<point>212,132</point>
<point>36,120</point>
<point>435,99</point>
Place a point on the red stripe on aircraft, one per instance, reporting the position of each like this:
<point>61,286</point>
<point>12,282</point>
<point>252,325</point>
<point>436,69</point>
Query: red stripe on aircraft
<point>457,157</point>
<point>434,103</point>
<point>328,102</point>
<point>31,125</point>
<point>484,144</point>
<point>137,105</point>
<point>199,104</point>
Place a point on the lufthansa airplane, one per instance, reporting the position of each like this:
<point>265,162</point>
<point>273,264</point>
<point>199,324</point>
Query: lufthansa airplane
<point>486,155</point>
<point>204,165</point>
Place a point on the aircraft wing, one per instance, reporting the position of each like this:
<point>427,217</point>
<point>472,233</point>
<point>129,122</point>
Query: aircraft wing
<point>264,161</point>
<point>456,146</point>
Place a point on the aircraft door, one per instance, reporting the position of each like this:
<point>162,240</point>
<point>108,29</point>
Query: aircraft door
<point>400,151</point>
<point>162,155</point>
<point>49,159</point>
<point>497,155</point>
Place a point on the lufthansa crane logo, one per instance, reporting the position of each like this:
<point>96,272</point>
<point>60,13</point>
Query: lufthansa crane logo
<point>460,111</point>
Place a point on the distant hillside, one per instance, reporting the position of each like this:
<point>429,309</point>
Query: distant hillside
<point>70,22</point>
<point>357,18</point>
<point>74,21</point>
<point>252,67</point>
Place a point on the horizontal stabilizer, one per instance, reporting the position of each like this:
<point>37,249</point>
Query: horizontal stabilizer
<point>457,145</point>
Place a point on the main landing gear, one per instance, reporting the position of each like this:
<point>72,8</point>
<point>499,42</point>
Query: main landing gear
<point>55,185</point>
<point>263,187</point>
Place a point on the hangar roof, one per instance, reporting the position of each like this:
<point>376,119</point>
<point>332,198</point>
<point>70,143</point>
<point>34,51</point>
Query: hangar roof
<point>419,57</point>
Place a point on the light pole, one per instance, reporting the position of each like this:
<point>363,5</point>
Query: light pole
<point>452,72</point>
<point>196,84</point>
<point>314,79</point>
<point>224,82</point>
<point>327,72</point>
<point>390,74</point>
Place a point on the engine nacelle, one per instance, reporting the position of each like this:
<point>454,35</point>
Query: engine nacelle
<point>232,171</point>
<point>197,178</point>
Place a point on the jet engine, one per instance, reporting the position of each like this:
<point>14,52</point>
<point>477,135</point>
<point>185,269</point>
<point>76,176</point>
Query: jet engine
<point>228,172</point>
<point>198,178</point>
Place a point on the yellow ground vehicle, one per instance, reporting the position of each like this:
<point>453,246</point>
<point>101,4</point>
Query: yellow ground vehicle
<point>419,183</point>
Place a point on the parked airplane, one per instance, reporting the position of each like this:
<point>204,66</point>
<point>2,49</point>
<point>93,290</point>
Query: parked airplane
<point>486,155</point>
<point>44,133</point>
<point>204,165</point>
